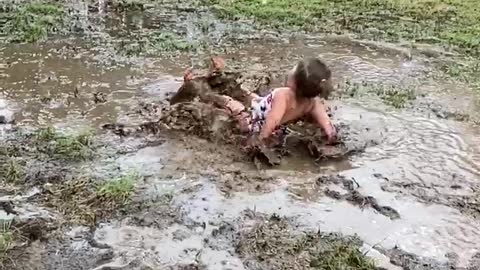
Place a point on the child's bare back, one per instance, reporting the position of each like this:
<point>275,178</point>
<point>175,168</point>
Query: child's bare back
<point>299,99</point>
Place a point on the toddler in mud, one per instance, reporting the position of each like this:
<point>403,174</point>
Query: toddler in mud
<point>299,99</point>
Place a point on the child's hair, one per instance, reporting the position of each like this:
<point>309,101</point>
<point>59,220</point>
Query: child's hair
<point>312,78</point>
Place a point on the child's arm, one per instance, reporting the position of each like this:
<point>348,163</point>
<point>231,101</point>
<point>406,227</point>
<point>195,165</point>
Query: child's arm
<point>275,115</point>
<point>320,116</point>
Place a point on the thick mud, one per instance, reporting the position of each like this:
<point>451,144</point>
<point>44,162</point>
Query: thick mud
<point>400,188</point>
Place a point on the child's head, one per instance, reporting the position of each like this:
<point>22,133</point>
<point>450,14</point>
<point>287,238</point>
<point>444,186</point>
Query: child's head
<point>311,78</point>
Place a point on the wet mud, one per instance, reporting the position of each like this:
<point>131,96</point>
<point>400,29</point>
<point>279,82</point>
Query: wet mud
<point>399,188</point>
<point>192,111</point>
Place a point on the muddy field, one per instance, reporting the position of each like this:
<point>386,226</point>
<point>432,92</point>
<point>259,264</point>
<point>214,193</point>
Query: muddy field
<point>98,169</point>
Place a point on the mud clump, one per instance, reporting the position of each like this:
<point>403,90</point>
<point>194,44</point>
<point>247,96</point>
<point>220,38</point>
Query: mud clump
<point>235,181</point>
<point>467,204</point>
<point>17,235</point>
<point>158,213</point>
<point>362,201</point>
<point>274,243</point>
<point>353,196</point>
<point>218,82</point>
<point>200,119</point>
<point>76,249</point>
<point>413,262</point>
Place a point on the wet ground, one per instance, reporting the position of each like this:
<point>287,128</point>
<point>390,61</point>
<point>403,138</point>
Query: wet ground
<point>411,195</point>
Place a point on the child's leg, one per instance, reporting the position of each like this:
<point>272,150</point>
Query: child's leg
<point>234,108</point>
<point>243,95</point>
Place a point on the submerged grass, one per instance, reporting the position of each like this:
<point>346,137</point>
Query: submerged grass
<point>466,71</point>
<point>392,95</point>
<point>33,22</point>
<point>447,22</point>
<point>153,43</point>
<point>273,244</point>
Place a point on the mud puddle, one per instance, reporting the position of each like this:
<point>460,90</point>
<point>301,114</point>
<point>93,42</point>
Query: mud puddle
<point>431,230</point>
<point>421,167</point>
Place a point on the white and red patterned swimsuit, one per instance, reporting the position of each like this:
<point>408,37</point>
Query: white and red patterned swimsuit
<point>259,111</point>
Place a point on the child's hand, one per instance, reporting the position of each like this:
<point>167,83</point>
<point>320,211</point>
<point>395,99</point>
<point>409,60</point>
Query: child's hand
<point>331,133</point>
<point>255,142</point>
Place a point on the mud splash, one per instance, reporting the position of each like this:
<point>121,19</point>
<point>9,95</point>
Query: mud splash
<point>193,111</point>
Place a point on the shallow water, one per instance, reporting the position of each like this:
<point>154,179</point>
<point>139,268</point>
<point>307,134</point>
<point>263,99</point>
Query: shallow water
<point>416,157</point>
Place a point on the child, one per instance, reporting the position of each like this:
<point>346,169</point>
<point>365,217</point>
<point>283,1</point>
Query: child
<point>309,80</point>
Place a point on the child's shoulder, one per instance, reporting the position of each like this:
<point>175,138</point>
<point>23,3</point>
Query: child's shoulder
<point>284,91</point>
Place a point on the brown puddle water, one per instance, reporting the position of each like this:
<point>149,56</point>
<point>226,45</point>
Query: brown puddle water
<point>416,158</point>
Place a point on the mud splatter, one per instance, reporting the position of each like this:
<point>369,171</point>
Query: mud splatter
<point>191,111</point>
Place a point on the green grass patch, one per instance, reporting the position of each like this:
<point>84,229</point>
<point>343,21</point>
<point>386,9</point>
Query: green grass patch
<point>69,147</point>
<point>117,190</point>
<point>397,96</point>
<point>7,240</point>
<point>6,237</point>
<point>33,22</point>
<point>275,244</point>
<point>167,42</point>
<point>84,201</point>
<point>341,256</point>
<point>447,22</point>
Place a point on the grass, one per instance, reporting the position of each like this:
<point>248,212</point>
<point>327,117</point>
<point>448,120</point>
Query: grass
<point>117,190</point>
<point>84,201</point>
<point>275,244</point>
<point>6,237</point>
<point>446,22</point>
<point>33,22</point>
<point>397,96</point>
<point>466,71</point>
<point>153,43</point>
<point>7,240</point>
<point>341,256</point>
<point>68,147</point>
<point>12,171</point>
<point>164,41</point>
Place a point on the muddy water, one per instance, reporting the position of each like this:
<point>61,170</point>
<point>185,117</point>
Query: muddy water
<point>416,158</point>
<point>403,157</point>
